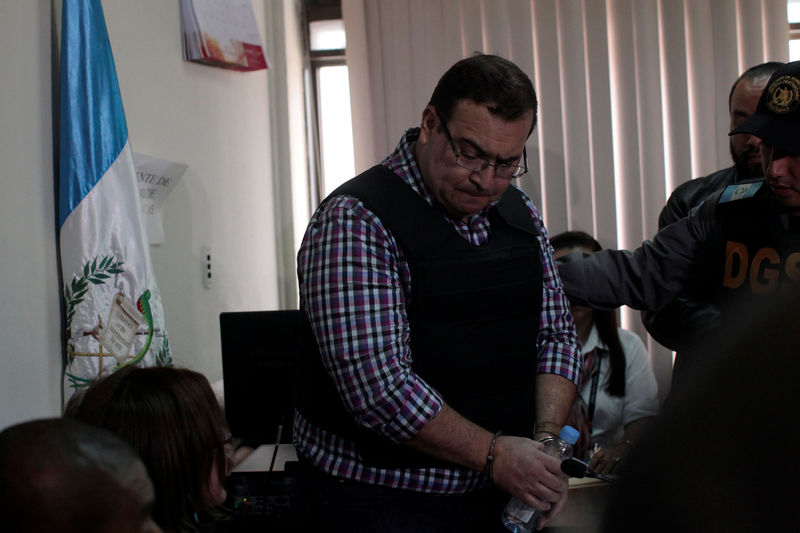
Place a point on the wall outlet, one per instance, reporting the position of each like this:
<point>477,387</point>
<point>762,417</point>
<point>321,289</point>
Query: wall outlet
<point>208,274</point>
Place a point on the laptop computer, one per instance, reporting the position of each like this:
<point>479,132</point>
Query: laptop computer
<point>259,351</point>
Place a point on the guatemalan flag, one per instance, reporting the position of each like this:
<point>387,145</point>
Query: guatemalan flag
<point>114,315</point>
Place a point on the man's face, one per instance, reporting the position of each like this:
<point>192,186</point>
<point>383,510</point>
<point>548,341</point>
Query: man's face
<point>744,147</point>
<point>782,171</point>
<point>475,131</point>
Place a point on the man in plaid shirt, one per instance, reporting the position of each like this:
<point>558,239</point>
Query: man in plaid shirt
<point>444,338</point>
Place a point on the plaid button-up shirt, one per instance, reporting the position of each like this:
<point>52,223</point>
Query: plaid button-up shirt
<point>354,284</point>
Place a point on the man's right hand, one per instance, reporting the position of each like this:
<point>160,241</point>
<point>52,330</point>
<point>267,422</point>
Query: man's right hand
<point>522,469</point>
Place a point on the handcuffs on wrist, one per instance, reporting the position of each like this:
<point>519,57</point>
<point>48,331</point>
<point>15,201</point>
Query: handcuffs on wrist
<point>545,431</point>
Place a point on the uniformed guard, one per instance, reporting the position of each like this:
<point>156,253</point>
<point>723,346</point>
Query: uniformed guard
<point>744,241</point>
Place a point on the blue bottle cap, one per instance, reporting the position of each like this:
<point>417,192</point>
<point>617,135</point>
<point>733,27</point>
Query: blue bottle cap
<point>569,434</point>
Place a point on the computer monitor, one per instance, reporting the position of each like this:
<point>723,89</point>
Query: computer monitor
<point>259,350</point>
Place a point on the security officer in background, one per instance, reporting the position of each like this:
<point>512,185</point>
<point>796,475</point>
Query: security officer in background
<point>744,241</point>
<point>686,321</point>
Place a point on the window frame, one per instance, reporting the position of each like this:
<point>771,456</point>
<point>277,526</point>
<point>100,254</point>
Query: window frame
<point>316,10</point>
<point>327,58</point>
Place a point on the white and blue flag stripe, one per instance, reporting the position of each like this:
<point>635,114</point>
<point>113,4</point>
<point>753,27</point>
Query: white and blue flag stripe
<point>105,256</point>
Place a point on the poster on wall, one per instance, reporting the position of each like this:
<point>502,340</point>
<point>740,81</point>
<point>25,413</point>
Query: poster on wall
<point>222,33</point>
<point>156,178</point>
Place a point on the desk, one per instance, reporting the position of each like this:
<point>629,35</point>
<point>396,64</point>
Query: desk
<point>581,514</point>
<point>585,507</point>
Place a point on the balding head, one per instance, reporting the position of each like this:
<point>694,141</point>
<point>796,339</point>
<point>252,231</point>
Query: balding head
<point>64,475</point>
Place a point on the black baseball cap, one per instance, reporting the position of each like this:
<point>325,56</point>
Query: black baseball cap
<point>777,117</point>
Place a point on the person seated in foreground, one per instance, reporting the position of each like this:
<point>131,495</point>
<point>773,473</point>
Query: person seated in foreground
<point>172,418</point>
<point>66,476</point>
<point>720,456</point>
<point>618,394</point>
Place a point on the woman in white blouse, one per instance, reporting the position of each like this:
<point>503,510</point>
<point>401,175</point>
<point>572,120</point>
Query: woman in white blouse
<point>618,391</point>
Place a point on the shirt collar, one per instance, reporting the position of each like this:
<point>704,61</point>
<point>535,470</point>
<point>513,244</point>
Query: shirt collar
<point>593,341</point>
<point>404,163</point>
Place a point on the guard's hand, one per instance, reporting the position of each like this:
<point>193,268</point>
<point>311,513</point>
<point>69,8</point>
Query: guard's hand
<point>522,469</point>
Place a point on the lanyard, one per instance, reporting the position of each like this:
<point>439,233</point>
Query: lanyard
<point>593,394</point>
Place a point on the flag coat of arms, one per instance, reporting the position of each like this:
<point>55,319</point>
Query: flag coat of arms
<point>114,315</point>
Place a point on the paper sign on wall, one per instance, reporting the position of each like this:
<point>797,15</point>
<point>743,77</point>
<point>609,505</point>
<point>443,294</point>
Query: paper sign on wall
<point>156,179</point>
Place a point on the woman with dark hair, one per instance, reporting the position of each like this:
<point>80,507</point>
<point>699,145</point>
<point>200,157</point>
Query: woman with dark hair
<point>618,392</point>
<point>172,418</point>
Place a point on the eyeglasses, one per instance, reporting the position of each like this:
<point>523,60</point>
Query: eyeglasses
<point>476,163</point>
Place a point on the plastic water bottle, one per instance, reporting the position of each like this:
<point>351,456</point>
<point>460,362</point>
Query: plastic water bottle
<point>518,516</point>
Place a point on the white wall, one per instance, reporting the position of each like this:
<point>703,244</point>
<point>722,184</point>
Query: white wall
<point>216,121</point>
<point>30,318</point>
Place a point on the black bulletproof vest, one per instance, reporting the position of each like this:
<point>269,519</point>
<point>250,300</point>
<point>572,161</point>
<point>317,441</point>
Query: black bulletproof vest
<point>761,250</point>
<point>473,314</point>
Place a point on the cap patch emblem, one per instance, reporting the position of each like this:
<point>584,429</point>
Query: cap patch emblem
<point>783,94</point>
<point>739,191</point>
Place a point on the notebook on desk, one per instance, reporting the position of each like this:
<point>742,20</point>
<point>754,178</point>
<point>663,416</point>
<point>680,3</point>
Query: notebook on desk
<point>266,458</point>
